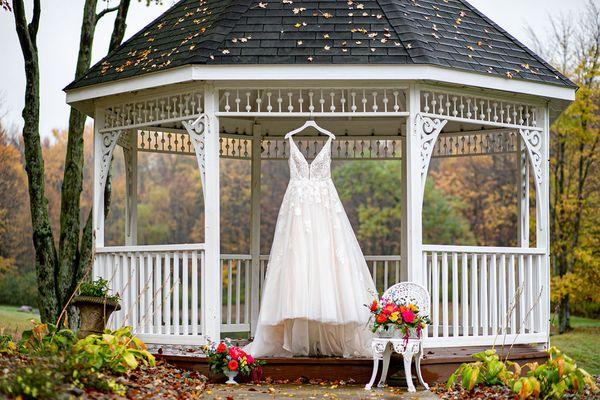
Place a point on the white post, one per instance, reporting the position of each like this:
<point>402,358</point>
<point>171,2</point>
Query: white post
<point>543,217</point>
<point>255,191</point>
<point>522,193</point>
<point>211,296</point>
<point>98,191</point>
<point>412,194</point>
<point>131,173</point>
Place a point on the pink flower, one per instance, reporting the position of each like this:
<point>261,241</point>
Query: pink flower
<point>234,352</point>
<point>250,359</point>
<point>408,316</point>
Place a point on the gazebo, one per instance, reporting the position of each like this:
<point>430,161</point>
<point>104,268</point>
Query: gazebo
<point>408,80</point>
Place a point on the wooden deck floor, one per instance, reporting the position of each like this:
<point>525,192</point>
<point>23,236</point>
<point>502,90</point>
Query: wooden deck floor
<point>437,364</point>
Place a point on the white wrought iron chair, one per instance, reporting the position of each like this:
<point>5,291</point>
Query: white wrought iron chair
<point>402,293</point>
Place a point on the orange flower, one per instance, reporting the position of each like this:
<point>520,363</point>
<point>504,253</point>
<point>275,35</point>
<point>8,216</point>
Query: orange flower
<point>390,308</point>
<point>381,318</point>
<point>374,306</point>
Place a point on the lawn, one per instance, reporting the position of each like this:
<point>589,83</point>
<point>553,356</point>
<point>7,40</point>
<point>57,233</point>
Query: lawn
<point>582,343</point>
<point>13,322</point>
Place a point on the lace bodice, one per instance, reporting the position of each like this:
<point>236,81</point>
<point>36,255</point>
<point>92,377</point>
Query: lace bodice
<point>318,169</point>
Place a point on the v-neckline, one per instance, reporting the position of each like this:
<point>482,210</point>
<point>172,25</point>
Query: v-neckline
<point>309,164</point>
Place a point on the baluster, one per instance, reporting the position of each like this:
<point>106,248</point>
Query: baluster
<point>290,105</point>
<point>195,304</point>
<point>396,103</point>
<point>385,101</point>
<point>445,294</point>
<point>279,101</point>
<point>469,108</point>
<point>529,289</point>
<point>440,103</point>
<point>237,101</point>
<point>149,294</point>
<point>447,104</point>
<point>133,293</point>
<point>167,294</point>
<point>247,295</point>
<point>258,100</point>
<point>474,295</point>
<point>238,281</point>
<point>248,106</point>
<point>493,295</point>
<point>455,300</point>
<point>176,284</point>
<point>185,301</point>
<point>343,101</point>
<point>454,111</point>
<point>311,106</point>
<point>364,101</point>
<point>374,107</point>
<point>353,108</point>
<point>465,295</point>
<point>332,107</point>
<point>322,102</point>
<point>269,106</point>
<point>511,294</point>
<point>483,287</point>
<point>229,285</point>
<point>157,295</point>
<point>502,296</point>
<point>495,111</point>
<point>435,293</point>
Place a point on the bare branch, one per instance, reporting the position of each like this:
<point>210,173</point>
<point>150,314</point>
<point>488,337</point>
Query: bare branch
<point>105,11</point>
<point>35,21</point>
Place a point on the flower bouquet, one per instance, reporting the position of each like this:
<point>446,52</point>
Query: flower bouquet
<point>230,360</point>
<point>389,317</point>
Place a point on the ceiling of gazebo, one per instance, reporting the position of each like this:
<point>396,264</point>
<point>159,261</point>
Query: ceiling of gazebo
<point>445,33</point>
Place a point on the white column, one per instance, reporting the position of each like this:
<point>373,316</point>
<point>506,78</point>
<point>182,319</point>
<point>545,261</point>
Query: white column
<point>412,196</point>
<point>131,173</point>
<point>211,296</point>
<point>255,190</point>
<point>522,193</point>
<point>98,190</point>
<point>543,216</point>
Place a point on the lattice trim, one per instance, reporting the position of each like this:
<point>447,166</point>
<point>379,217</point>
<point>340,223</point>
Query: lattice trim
<point>478,108</point>
<point>312,101</point>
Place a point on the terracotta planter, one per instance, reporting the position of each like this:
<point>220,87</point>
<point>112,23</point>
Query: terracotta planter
<point>93,313</point>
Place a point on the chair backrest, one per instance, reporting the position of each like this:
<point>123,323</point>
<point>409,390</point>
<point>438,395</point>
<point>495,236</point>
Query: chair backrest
<point>409,292</point>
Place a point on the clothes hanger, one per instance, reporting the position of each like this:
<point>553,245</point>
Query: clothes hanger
<point>313,124</point>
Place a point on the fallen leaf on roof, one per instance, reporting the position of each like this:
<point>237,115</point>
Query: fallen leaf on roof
<point>408,45</point>
<point>326,36</point>
<point>379,16</point>
<point>360,6</point>
<point>298,10</point>
<point>509,74</point>
<point>470,47</point>
<point>262,5</point>
<point>300,42</point>
<point>327,47</point>
<point>226,51</point>
<point>327,15</point>
<point>458,21</point>
<point>310,58</point>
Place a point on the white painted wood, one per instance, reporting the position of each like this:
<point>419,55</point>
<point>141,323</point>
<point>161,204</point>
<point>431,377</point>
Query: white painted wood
<point>523,295</point>
<point>315,73</point>
<point>255,221</point>
<point>466,341</point>
<point>482,249</point>
<point>412,206</point>
<point>131,199</point>
<point>502,305</point>
<point>435,294</point>
<point>474,295</point>
<point>185,322</point>
<point>98,190</point>
<point>483,294</point>
<point>167,288</point>
<point>493,294</point>
<point>195,306</point>
<point>522,195</point>
<point>150,248</point>
<point>512,294</point>
<point>176,286</point>
<point>465,294</point>
<point>445,311</point>
<point>455,298</point>
<point>211,296</point>
<point>157,294</point>
<point>530,295</point>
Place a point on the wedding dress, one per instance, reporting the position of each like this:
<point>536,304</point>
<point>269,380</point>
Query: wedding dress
<point>317,281</point>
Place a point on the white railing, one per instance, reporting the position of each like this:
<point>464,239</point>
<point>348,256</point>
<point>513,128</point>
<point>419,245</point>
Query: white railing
<point>160,289</point>
<point>236,292</point>
<point>486,295</point>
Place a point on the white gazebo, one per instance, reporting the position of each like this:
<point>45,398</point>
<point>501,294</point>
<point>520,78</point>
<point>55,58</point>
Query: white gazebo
<point>393,79</point>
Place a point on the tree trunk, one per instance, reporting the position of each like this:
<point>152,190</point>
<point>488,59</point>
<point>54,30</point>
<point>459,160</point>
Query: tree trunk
<point>43,241</point>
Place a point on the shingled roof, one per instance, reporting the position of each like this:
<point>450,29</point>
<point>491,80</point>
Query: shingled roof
<point>447,33</point>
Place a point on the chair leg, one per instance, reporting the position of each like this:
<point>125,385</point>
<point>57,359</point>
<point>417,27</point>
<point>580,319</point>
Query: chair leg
<point>386,363</point>
<point>407,365</point>
<point>418,367</point>
<point>369,385</point>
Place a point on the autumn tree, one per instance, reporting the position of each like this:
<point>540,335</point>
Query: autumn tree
<point>574,48</point>
<point>58,268</point>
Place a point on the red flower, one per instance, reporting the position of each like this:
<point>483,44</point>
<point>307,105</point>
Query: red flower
<point>250,359</point>
<point>221,348</point>
<point>374,306</point>
<point>232,365</point>
<point>381,318</point>
<point>408,316</point>
<point>234,352</point>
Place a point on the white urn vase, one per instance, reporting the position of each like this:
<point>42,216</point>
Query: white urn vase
<point>230,377</point>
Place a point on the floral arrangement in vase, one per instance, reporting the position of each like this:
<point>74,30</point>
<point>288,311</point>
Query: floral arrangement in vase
<point>389,317</point>
<point>231,360</point>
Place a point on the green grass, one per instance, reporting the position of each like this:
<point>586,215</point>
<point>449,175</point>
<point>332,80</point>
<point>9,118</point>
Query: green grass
<point>13,322</point>
<point>582,343</point>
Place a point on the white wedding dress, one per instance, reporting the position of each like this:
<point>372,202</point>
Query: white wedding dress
<point>317,281</point>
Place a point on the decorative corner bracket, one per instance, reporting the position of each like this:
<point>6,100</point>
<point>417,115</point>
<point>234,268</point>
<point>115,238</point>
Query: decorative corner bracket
<point>108,143</point>
<point>428,130</point>
<point>197,130</point>
<point>533,143</point>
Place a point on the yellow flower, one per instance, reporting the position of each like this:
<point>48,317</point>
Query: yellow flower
<point>394,316</point>
<point>413,308</point>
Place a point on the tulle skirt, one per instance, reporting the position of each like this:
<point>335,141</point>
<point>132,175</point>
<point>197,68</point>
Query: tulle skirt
<point>317,282</point>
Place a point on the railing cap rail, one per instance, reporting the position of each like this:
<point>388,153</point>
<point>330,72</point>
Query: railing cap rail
<point>482,249</point>
<point>151,248</point>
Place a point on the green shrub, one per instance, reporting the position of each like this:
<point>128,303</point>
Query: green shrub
<point>18,289</point>
<point>97,288</point>
<point>551,380</point>
<point>117,351</point>
<point>7,345</point>
<point>46,339</point>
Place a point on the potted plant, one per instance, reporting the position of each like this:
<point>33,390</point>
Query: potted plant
<point>95,306</point>
<point>397,320</point>
<point>230,361</point>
